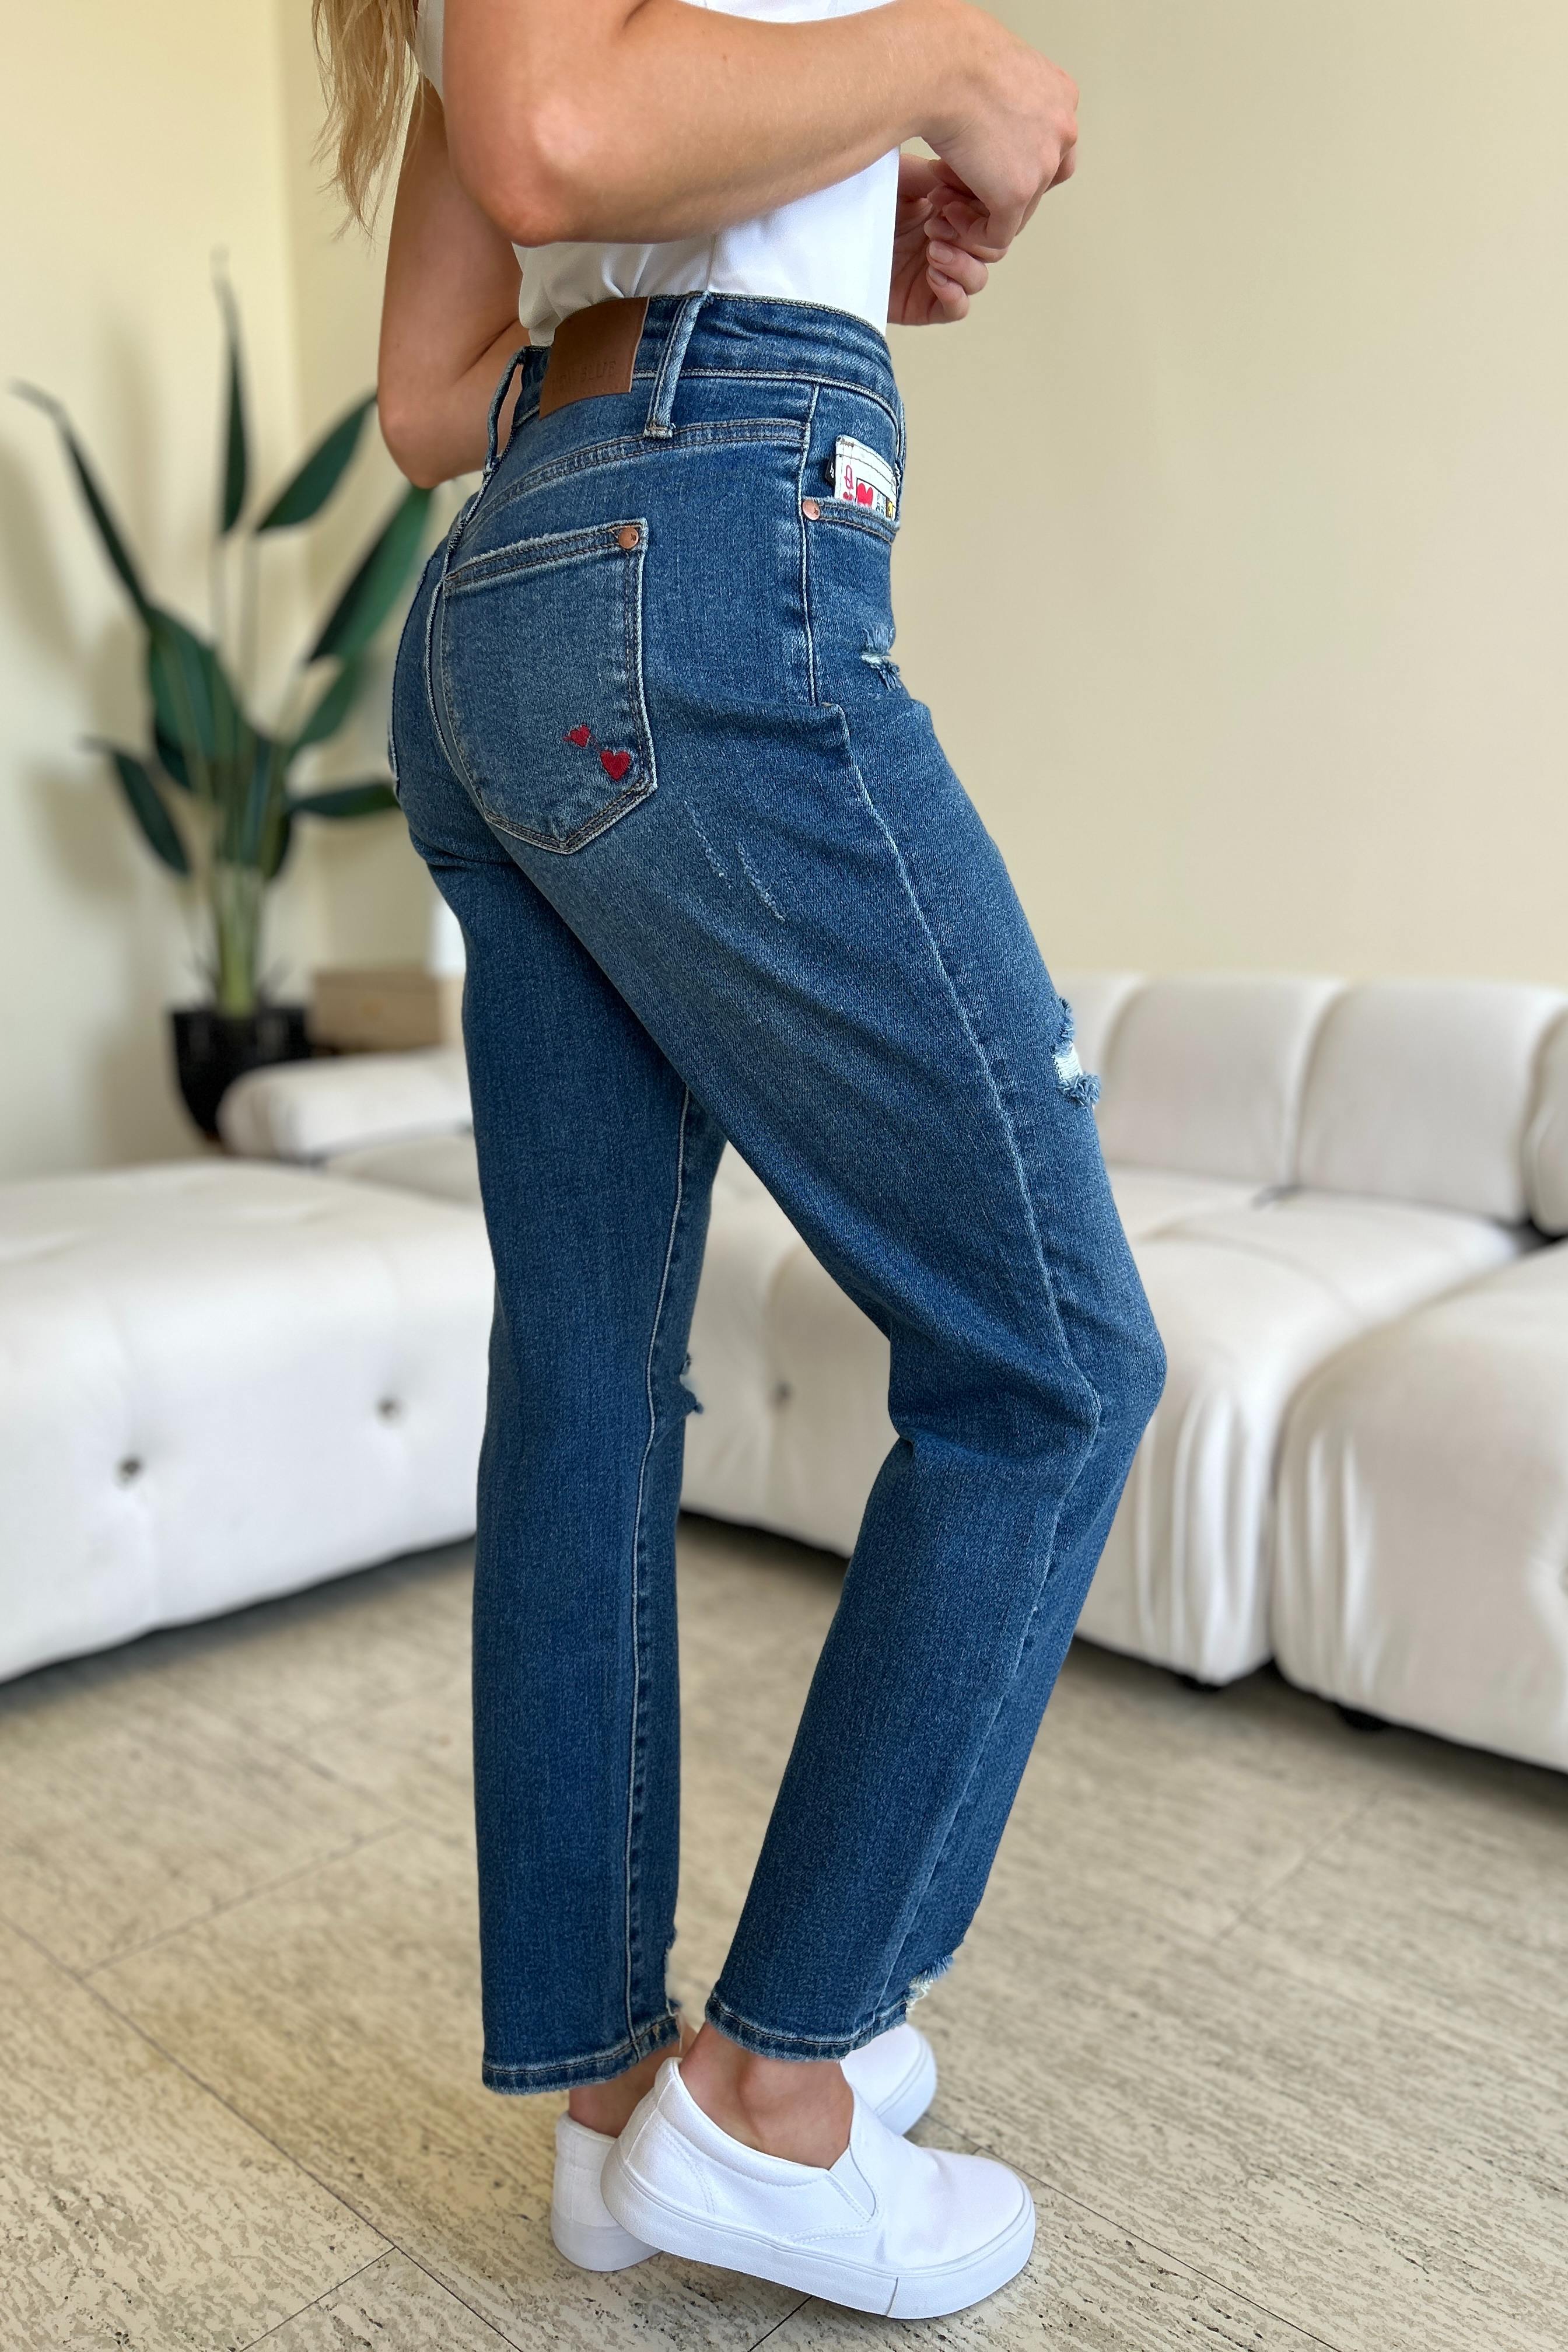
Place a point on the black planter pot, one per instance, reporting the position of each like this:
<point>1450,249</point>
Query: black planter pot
<point>212,1049</point>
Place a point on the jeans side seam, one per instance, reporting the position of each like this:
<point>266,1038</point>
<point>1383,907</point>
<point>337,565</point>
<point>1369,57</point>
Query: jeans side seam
<point>1021,1172</point>
<point>431,658</point>
<point>802,526</point>
<point>634,1788</point>
<point>984,1058</point>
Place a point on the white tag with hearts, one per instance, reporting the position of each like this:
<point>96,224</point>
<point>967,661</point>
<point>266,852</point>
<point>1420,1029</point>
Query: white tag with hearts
<point>861,478</point>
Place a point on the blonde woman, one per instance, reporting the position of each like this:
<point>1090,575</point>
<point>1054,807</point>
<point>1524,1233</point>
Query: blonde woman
<point>717,881</point>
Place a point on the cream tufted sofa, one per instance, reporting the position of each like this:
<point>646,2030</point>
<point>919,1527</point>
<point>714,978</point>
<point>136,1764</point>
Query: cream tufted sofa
<point>220,1381</point>
<point>1342,1199</point>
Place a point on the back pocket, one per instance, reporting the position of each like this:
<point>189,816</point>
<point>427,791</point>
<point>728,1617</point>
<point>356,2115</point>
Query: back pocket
<point>541,663</point>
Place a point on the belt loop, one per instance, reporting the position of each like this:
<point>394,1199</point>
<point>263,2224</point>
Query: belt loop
<point>498,404</point>
<point>661,407</point>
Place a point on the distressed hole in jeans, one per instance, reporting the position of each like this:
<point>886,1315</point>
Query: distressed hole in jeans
<point>1075,1081</point>
<point>920,1986</point>
<point>876,654</point>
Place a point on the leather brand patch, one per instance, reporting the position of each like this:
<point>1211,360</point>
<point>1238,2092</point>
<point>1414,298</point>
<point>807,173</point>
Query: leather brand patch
<point>593,353</point>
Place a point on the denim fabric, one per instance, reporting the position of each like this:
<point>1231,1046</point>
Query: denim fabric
<point>717,880</point>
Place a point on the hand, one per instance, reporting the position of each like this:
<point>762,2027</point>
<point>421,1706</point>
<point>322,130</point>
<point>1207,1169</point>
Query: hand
<point>941,258</point>
<point>1011,130</point>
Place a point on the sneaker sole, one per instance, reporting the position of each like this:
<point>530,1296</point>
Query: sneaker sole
<point>919,2295</point>
<point>596,2246</point>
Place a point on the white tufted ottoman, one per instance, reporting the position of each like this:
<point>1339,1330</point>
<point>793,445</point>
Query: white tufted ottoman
<point>220,1381</point>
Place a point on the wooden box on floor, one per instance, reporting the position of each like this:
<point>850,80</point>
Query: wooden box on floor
<point>386,1008</point>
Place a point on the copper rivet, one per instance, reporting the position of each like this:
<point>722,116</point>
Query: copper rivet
<point>810,509</point>
<point>628,535</point>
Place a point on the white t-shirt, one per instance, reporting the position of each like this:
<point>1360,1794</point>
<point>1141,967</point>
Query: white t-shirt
<point>834,248</point>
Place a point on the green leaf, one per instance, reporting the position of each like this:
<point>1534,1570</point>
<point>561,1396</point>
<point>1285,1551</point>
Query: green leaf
<point>146,806</point>
<point>108,530</point>
<point>193,704</point>
<point>379,582</point>
<point>278,841</point>
<point>331,706</point>
<point>264,792</point>
<point>369,798</point>
<point>236,461</point>
<point>171,759</point>
<point>307,492</point>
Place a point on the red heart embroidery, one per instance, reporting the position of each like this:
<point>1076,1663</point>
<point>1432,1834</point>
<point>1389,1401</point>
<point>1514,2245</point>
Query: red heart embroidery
<point>579,735</point>
<point>615,764</point>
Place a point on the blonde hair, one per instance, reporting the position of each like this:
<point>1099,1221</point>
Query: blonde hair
<point>366,52</point>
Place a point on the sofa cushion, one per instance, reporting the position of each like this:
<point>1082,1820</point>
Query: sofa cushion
<point>1182,1578</point>
<point>442,1167</point>
<point>1420,1090</point>
<point>1423,1519</point>
<point>309,1110</point>
<point>729,1443</point>
<point>1098,999</point>
<point>1204,1075</point>
<point>1150,1199</point>
<point>1249,1302</point>
<point>1546,1138</point>
<point>1379,1257</point>
<point>220,1381</point>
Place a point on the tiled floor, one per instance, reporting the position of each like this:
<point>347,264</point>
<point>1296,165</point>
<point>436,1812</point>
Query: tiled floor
<point>1274,2016</point>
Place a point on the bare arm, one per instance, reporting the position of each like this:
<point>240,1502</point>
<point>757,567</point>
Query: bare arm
<point>449,319</point>
<point>642,121</point>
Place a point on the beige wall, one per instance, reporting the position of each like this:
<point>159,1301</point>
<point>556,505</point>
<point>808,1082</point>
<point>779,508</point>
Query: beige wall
<point>1236,559</point>
<point>137,141</point>
<point>1236,566</point>
<point>376,896</point>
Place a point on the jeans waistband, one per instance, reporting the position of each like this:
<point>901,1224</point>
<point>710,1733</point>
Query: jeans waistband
<point>735,335</point>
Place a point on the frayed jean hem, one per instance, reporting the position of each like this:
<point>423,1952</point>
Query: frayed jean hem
<point>598,2066</point>
<point>766,2043</point>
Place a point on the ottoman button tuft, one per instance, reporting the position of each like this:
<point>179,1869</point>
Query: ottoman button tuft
<point>390,1409</point>
<point>129,1470</point>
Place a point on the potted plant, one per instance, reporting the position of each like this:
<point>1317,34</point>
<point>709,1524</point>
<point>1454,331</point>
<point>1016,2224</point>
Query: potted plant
<point>212,789</point>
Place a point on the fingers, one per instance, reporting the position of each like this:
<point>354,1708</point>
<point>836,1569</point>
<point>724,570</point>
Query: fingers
<point>923,177</point>
<point>950,265</point>
<point>948,302</point>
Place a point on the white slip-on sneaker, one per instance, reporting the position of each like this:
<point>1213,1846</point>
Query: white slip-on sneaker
<point>910,2232</point>
<point>895,2075</point>
<point>580,2221</point>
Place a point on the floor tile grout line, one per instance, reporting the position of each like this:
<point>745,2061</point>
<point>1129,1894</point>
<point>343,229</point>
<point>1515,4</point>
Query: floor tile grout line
<point>95,1992</point>
<point>236,1901</point>
<point>1267,1894</point>
<point>289,1745</point>
<point>314,2305</point>
<point>784,2321</point>
<point>1182,2262</point>
<point>340,1780</point>
<point>445,2286</point>
<point>389,2244</point>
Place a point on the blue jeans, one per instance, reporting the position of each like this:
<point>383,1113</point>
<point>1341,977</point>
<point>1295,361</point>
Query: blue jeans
<point>717,880</point>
